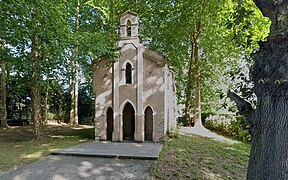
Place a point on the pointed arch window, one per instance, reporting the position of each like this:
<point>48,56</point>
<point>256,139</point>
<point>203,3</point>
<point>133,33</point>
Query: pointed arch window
<point>128,73</point>
<point>129,28</point>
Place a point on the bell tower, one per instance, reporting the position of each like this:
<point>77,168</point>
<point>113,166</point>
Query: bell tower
<point>129,26</point>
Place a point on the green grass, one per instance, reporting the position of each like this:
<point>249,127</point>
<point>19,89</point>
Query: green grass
<point>186,157</point>
<point>18,147</point>
<point>196,157</point>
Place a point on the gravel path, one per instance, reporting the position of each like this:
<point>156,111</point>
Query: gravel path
<point>206,133</point>
<point>74,168</point>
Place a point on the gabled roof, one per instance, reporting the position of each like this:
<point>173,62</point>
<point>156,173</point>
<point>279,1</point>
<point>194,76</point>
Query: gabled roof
<point>128,12</point>
<point>101,61</point>
<point>154,56</point>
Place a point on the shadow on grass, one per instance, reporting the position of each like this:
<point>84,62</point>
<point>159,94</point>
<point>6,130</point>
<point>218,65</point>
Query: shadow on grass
<point>197,157</point>
<point>80,133</point>
<point>18,146</point>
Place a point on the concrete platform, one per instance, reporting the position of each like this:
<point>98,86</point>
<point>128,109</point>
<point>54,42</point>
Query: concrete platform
<point>121,150</point>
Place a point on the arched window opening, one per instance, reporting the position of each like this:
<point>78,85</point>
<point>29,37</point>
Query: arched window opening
<point>129,28</point>
<point>128,73</point>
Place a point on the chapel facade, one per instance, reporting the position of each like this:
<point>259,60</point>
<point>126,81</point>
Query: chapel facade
<point>134,95</point>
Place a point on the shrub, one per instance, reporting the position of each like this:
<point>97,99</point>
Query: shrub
<point>173,133</point>
<point>205,115</point>
<point>232,126</point>
<point>240,127</point>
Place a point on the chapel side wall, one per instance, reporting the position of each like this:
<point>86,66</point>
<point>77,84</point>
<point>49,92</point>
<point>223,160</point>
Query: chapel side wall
<point>128,91</point>
<point>102,88</point>
<point>171,101</point>
<point>153,95</point>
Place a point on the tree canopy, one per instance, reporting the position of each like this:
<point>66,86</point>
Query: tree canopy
<point>208,44</point>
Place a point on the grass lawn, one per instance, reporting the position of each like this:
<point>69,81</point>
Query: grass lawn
<point>18,148</point>
<point>186,157</point>
<point>196,157</point>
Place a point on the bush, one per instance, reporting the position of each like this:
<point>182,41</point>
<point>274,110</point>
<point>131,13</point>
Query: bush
<point>205,115</point>
<point>233,126</point>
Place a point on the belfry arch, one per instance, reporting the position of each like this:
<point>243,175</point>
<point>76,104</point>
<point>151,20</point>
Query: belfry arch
<point>129,28</point>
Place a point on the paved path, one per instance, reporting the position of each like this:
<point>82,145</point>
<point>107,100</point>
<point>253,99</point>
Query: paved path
<point>85,161</point>
<point>206,133</point>
<point>77,168</point>
<point>124,150</point>
<point>94,160</point>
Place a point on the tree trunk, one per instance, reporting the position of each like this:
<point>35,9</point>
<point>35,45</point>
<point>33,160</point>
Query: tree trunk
<point>268,158</point>
<point>46,106</point>
<point>3,90</point>
<point>76,86</point>
<point>187,108</point>
<point>72,111</point>
<point>197,101</point>
<point>75,74</point>
<point>189,88</point>
<point>36,98</point>
<point>77,64</point>
<point>38,122</point>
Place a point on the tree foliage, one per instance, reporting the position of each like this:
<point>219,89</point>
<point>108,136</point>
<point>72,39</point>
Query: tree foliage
<point>229,32</point>
<point>38,41</point>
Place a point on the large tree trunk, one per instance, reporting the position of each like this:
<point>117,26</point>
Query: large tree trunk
<point>77,64</point>
<point>72,111</point>
<point>197,101</point>
<point>36,98</point>
<point>75,74</point>
<point>268,158</point>
<point>3,90</point>
<point>76,87</point>
<point>38,122</point>
<point>46,105</point>
<point>189,88</point>
<point>36,70</point>
<point>269,152</point>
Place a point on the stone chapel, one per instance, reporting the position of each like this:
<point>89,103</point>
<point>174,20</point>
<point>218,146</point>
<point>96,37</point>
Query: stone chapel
<point>134,95</point>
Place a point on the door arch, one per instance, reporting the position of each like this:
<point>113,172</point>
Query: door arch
<point>128,122</point>
<point>148,124</point>
<point>109,121</point>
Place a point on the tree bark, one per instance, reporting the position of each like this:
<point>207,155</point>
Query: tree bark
<point>77,64</point>
<point>189,88</point>
<point>268,158</point>
<point>75,73</point>
<point>76,86</point>
<point>72,111</point>
<point>36,65</point>
<point>3,89</point>
<point>197,101</point>
<point>46,105</point>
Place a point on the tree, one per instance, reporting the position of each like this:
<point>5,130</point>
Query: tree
<point>7,35</point>
<point>268,158</point>
<point>195,38</point>
<point>3,88</point>
<point>75,70</point>
<point>43,22</point>
<point>88,41</point>
<point>269,130</point>
<point>3,67</point>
